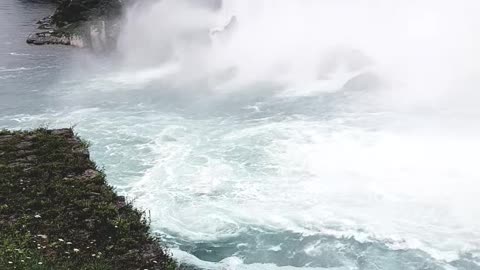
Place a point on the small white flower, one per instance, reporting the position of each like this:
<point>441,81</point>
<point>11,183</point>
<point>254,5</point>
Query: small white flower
<point>61,240</point>
<point>93,255</point>
<point>10,262</point>
<point>37,216</point>
<point>76,250</point>
<point>43,236</point>
<point>40,263</point>
<point>69,243</point>
<point>22,260</point>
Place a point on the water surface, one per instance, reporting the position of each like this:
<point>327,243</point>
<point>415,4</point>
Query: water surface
<point>259,178</point>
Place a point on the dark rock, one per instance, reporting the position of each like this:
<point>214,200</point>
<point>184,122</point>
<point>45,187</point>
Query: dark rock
<point>73,140</point>
<point>30,137</point>
<point>45,23</point>
<point>17,164</point>
<point>31,158</point>
<point>90,223</point>
<point>5,138</point>
<point>66,132</point>
<point>89,174</point>
<point>24,145</point>
<point>49,37</point>
<point>72,22</point>
<point>121,202</point>
<point>39,42</point>
<point>82,152</point>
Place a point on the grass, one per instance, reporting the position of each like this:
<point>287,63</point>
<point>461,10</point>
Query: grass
<point>58,212</point>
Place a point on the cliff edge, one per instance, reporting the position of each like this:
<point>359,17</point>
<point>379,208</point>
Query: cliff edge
<point>80,23</point>
<point>58,212</point>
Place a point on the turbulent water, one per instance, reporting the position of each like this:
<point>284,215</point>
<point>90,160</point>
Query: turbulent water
<point>304,135</point>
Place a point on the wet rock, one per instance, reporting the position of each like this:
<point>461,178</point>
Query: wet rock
<point>49,37</point>
<point>45,23</point>
<point>39,42</point>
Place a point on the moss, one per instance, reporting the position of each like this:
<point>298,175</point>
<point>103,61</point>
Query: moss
<point>57,209</point>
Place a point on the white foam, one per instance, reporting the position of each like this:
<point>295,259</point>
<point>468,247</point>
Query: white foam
<point>413,190</point>
<point>19,54</point>
<point>234,263</point>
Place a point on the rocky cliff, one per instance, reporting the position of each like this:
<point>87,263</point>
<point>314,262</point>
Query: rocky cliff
<point>81,23</point>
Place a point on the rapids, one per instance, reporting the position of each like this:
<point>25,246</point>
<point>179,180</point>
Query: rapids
<point>311,135</point>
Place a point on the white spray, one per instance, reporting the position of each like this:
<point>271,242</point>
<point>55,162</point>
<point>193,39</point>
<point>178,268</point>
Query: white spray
<point>420,58</point>
<point>423,49</point>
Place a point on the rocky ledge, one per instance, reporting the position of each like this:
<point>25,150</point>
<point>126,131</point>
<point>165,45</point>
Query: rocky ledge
<point>58,212</point>
<point>80,23</point>
<point>55,37</point>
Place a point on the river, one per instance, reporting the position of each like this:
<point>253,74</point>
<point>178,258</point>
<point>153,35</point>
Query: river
<point>257,172</point>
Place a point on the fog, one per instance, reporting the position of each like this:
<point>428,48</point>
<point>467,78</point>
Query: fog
<point>423,52</point>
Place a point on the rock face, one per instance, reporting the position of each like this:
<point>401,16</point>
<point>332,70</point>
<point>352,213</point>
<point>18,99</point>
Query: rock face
<point>56,209</point>
<point>53,37</point>
<point>80,23</point>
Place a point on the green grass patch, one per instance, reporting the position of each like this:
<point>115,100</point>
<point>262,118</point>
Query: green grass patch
<point>58,212</point>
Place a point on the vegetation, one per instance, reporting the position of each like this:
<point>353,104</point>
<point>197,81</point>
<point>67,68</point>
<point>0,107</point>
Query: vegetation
<point>71,11</point>
<point>57,212</point>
